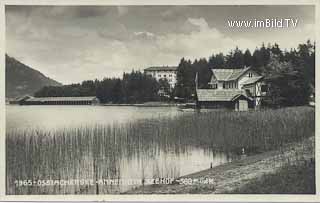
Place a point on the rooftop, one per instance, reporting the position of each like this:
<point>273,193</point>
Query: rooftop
<point>219,95</point>
<point>41,99</point>
<point>162,68</point>
<point>22,98</point>
<point>252,80</point>
<point>229,74</point>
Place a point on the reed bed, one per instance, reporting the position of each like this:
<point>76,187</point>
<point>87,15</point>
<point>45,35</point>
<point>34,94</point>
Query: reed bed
<point>94,152</point>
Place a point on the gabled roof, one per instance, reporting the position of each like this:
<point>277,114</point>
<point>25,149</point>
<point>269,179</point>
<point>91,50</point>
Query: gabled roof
<point>162,68</point>
<point>252,80</point>
<point>229,74</point>
<point>23,98</point>
<point>220,94</point>
<point>241,95</point>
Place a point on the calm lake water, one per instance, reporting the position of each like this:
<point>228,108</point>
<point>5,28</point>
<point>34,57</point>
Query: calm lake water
<point>55,117</point>
<point>158,163</point>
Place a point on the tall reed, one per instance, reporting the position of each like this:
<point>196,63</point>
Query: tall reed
<point>95,152</point>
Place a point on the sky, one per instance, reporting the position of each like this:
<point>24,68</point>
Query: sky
<point>75,43</point>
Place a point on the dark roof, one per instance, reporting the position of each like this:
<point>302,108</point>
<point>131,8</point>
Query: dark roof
<point>162,68</point>
<point>219,94</point>
<point>252,80</point>
<point>229,74</point>
<point>21,98</point>
<point>43,99</point>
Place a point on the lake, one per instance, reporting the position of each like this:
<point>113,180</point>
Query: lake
<point>53,117</point>
<point>75,155</point>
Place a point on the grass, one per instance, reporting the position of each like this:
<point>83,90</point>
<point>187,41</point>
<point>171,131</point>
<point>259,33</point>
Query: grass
<point>291,179</point>
<point>94,152</point>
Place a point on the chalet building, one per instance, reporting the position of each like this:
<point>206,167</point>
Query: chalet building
<point>163,72</point>
<point>238,89</point>
<point>60,101</point>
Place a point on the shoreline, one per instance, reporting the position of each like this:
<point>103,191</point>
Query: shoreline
<point>234,175</point>
<point>145,105</point>
<point>135,105</point>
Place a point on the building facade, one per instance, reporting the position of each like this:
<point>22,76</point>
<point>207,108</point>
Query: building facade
<point>239,89</point>
<point>163,72</point>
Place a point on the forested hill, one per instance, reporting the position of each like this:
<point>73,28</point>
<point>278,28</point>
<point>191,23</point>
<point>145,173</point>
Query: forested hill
<point>21,79</point>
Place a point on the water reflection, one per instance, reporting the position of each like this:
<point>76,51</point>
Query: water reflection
<point>55,117</point>
<point>111,143</point>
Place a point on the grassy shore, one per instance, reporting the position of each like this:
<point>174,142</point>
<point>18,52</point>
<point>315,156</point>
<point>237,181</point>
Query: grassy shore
<point>290,170</point>
<point>291,179</point>
<point>95,151</point>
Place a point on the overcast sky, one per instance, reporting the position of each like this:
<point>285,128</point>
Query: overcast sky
<point>75,43</point>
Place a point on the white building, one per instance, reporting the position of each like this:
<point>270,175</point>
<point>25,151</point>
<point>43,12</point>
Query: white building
<point>163,72</point>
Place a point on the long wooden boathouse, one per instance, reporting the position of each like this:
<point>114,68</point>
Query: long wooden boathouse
<point>60,101</point>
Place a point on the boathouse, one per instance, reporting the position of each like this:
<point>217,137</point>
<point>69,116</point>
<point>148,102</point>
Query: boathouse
<point>61,101</point>
<point>228,99</point>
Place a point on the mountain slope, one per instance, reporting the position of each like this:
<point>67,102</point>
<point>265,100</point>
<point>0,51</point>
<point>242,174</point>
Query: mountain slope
<point>22,80</point>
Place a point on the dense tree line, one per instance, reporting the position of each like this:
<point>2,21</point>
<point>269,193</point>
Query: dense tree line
<point>290,74</point>
<point>134,87</point>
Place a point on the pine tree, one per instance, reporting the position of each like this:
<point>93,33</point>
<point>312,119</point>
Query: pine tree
<point>247,58</point>
<point>217,61</point>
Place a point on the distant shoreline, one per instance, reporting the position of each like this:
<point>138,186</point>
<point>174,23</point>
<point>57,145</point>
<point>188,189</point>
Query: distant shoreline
<point>147,104</point>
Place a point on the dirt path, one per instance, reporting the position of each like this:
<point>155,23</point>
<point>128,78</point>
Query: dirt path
<point>233,175</point>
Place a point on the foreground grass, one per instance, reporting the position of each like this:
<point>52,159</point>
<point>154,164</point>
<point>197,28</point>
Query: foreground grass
<point>291,179</point>
<point>287,170</point>
<point>95,152</point>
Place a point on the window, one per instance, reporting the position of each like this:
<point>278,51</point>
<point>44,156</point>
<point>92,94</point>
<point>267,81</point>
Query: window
<point>164,75</point>
<point>264,88</point>
<point>215,86</point>
<point>250,75</point>
<point>170,75</point>
<point>224,85</point>
<point>248,92</point>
